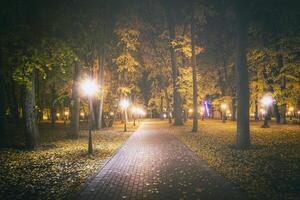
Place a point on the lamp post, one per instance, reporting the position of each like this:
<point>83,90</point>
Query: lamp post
<point>124,103</point>
<point>266,102</point>
<point>89,87</point>
<point>223,108</point>
<point>134,112</point>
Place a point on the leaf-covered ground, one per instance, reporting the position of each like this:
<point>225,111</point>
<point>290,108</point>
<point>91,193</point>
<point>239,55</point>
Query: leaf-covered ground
<point>270,169</point>
<point>59,168</point>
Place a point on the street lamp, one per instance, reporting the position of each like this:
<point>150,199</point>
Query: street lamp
<point>124,103</point>
<point>190,111</point>
<point>223,108</point>
<point>134,111</point>
<point>66,114</point>
<point>266,102</point>
<point>291,110</point>
<point>89,88</point>
<point>202,110</point>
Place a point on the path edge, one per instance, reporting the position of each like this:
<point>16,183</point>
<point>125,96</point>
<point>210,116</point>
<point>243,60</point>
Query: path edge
<point>247,196</point>
<point>92,176</point>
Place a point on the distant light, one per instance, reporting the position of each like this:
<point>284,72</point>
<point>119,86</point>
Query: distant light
<point>66,113</point>
<point>111,113</point>
<point>124,103</point>
<point>267,100</point>
<point>89,87</point>
<point>223,106</point>
<point>82,114</point>
<point>134,110</point>
<point>298,112</point>
<point>291,109</point>
<point>165,115</point>
<point>202,109</point>
<point>190,110</point>
<point>262,111</point>
<point>57,114</point>
<point>228,112</point>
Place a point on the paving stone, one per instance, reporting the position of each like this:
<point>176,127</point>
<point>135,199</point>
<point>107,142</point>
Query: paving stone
<point>153,164</point>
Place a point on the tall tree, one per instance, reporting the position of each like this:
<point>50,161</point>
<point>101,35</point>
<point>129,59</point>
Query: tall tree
<point>31,126</point>
<point>177,101</point>
<point>242,85</point>
<point>195,90</point>
<point>75,102</point>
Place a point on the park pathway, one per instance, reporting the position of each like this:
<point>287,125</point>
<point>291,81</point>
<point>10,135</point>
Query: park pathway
<point>153,164</point>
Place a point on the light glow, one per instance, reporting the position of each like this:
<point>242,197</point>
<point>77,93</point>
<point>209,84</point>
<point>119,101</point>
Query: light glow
<point>267,100</point>
<point>223,106</point>
<point>202,109</point>
<point>124,103</point>
<point>262,111</point>
<point>89,87</point>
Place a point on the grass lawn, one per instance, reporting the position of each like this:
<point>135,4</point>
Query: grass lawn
<point>270,169</point>
<point>60,167</point>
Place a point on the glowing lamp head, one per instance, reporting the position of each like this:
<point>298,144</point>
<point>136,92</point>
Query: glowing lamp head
<point>202,109</point>
<point>89,87</point>
<point>291,109</point>
<point>267,100</point>
<point>66,113</point>
<point>82,114</point>
<point>57,114</point>
<point>190,110</point>
<point>135,110</point>
<point>223,106</point>
<point>165,115</point>
<point>124,103</point>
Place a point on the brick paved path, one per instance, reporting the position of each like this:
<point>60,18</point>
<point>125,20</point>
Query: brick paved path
<point>153,164</point>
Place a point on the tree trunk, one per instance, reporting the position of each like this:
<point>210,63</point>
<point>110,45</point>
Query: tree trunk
<point>233,108</point>
<point>31,127</point>
<point>277,114</point>
<point>282,88</point>
<point>242,85</point>
<point>2,100</point>
<point>161,111</point>
<point>14,104</point>
<point>75,103</point>
<point>175,73</point>
<point>101,82</point>
<point>195,91</point>
<point>53,108</point>
<point>256,118</point>
<point>168,104</point>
